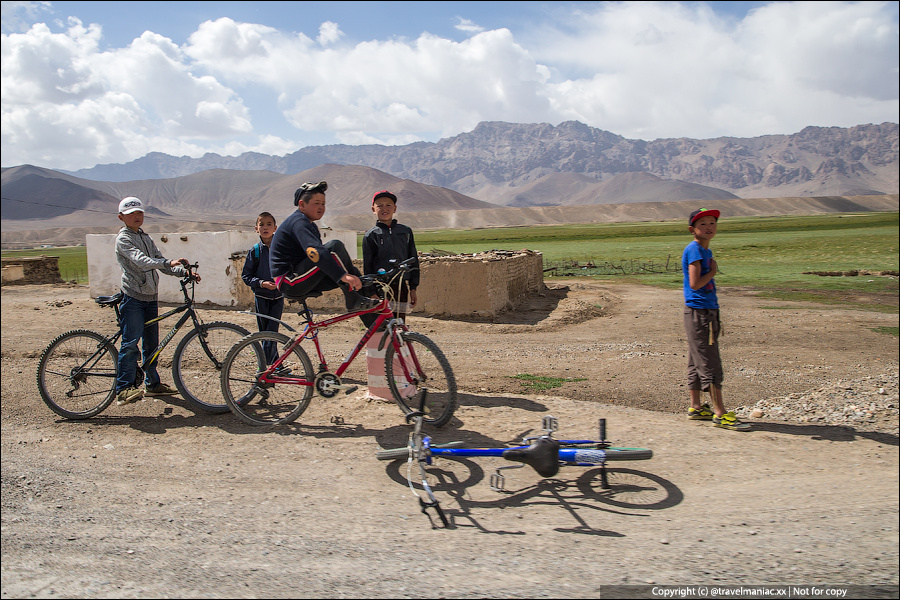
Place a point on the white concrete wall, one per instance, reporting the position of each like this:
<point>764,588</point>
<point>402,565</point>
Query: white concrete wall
<point>219,255</point>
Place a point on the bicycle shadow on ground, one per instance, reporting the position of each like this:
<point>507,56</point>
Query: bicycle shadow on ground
<point>168,419</point>
<point>832,433</point>
<point>631,492</point>
<point>520,402</point>
<point>398,436</point>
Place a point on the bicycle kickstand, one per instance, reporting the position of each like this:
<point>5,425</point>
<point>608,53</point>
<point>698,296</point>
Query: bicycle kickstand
<point>437,508</point>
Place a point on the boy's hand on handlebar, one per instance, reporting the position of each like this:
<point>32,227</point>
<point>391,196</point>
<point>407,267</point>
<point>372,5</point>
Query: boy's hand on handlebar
<point>352,281</point>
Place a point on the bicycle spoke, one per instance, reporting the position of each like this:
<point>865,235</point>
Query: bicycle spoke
<point>419,376</point>
<point>258,402</point>
<point>76,374</point>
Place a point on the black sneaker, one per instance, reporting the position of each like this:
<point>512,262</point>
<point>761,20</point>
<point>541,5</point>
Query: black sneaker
<point>282,371</point>
<point>357,302</point>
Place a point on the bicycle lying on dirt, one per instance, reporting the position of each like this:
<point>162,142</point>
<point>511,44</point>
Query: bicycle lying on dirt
<point>418,374</point>
<point>544,453</point>
<point>76,374</point>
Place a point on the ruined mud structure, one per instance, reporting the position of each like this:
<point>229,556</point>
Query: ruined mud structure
<point>479,285</point>
<point>37,269</point>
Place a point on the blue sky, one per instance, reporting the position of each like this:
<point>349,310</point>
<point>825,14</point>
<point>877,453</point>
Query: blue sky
<point>87,83</point>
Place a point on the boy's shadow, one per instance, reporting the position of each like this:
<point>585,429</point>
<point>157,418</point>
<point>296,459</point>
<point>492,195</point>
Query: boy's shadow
<point>833,433</point>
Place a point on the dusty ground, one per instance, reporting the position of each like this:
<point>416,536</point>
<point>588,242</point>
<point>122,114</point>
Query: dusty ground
<point>153,500</point>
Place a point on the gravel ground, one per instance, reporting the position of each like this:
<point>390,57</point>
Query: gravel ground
<point>155,500</point>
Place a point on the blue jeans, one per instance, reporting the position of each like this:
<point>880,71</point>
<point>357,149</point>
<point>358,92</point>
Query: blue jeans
<point>134,314</point>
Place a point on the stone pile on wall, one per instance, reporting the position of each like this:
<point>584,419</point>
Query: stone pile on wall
<point>36,269</point>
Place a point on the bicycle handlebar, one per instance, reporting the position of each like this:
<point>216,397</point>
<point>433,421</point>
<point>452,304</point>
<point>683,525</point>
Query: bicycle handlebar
<point>191,268</point>
<point>384,276</point>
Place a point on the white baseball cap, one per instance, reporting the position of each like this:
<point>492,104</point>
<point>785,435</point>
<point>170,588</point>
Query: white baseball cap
<point>130,204</point>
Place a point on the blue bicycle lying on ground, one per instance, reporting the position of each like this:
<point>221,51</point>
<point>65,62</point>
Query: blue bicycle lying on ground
<point>544,453</point>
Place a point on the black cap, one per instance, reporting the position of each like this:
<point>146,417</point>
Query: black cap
<point>309,188</point>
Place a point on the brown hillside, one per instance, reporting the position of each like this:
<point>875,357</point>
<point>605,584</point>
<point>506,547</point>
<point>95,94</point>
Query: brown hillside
<point>55,231</point>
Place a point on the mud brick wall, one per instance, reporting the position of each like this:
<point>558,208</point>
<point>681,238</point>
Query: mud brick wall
<point>478,285</point>
<point>38,269</point>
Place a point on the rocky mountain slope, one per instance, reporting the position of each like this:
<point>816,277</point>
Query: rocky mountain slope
<point>496,159</point>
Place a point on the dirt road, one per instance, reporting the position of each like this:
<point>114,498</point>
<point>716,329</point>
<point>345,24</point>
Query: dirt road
<point>153,500</point>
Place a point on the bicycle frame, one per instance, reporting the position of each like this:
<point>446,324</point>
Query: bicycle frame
<point>312,328</point>
<point>311,331</point>
<point>188,306</point>
<point>544,454</point>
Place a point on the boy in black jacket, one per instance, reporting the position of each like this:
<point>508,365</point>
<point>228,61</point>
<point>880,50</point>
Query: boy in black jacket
<point>391,240</point>
<point>256,274</point>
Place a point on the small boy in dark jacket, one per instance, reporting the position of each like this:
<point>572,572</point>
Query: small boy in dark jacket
<point>256,274</point>
<point>388,240</point>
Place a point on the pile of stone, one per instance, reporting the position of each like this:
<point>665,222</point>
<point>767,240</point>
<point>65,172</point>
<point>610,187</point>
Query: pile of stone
<point>864,404</point>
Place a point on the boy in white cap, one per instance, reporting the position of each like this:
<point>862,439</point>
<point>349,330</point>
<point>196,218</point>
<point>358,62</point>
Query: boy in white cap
<point>139,258</point>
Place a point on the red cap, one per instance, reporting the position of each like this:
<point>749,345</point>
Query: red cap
<point>702,213</point>
<point>383,194</point>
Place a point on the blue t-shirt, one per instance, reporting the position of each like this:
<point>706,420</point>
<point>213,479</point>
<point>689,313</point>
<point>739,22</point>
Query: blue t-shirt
<point>705,297</point>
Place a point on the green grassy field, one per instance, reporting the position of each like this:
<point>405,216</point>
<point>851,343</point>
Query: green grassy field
<point>771,254</point>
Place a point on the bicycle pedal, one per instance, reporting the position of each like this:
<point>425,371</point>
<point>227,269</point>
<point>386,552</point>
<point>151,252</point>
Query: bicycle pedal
<point>351,389</point>
<point>497,482</point>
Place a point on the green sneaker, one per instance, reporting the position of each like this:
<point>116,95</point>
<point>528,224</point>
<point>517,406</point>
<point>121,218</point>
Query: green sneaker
<point>160,389</point>
<point>730,421</point>
<point>129,396</point>
<point>704,413</point>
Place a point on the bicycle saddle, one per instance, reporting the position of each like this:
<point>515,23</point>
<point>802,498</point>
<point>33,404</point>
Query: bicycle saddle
<point>108,300</point>
<point>542,455</point>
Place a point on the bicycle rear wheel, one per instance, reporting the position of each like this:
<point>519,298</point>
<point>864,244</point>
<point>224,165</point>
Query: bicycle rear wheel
<point>257,403</point>
<point>197,363</point>
<point>76,375</point>
<point>431,378</point>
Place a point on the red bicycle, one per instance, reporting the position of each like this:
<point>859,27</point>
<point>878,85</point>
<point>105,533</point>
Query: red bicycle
<point>418,374</point>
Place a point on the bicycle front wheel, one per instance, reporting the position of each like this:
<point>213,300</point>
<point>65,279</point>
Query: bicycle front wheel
<point>628,454</point>
<point>427,383</point>
<point>76,374</point>
<point>264,403</point>
<point>197,363</point>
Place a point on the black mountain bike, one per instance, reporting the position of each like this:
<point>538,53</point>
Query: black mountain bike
<point>76,374</point>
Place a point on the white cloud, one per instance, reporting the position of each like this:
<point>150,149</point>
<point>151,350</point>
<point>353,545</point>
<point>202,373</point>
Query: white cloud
<point>329,33</point>
<point>468,26</point>
<point>661,69</point>
<point>639,69</point>
<point>97,105</point>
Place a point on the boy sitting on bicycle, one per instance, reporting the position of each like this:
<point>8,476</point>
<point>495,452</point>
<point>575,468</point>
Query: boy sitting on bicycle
<point>139,259</point>
<point>301,264</point>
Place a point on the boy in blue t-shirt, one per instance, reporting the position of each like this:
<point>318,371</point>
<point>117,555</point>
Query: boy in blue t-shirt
<point>701,323</point>
<point>268,300</point>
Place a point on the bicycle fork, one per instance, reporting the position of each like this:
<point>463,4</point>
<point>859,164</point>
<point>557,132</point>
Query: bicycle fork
<point>418,451</point>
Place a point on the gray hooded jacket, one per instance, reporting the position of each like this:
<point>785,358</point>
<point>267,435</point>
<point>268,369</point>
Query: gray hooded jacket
<point>140,258</point>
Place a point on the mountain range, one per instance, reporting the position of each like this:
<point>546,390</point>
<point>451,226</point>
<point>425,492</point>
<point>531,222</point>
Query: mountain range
<point>496,160</point>
<point>518,166</point>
